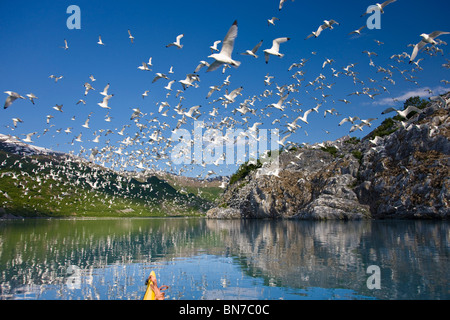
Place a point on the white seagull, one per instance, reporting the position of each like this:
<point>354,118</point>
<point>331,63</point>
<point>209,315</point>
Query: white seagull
<point>214,46</point>
<point>212,89</point>
<point>169,85</point>
<point>88,87</point>
<point>358,31</point>
<point>280,6</point>
<point>293,126</point>
<point>305,115</point>
<point>55,77</point>
<point>272,21</point>
<point>104,103</point>
<point>188,81</point>
<point>426,39</point>
<point>86,123</point>
<point>65,45</point>
<point>31,96</point>
<point>325,25</point>
<point>12,96</point>
<point>274,50</point>
<point>381,6</point>
<point>201,65</point>
<point>191,111</point>
<point>349,119</point>
<point>58,107</point>
<point>130,36</point>
<point>283,141</point>
<point>177,42</point>
<point>253,51</point>
<point>224,56</point>
<point>159,76</point>
<point>105,90</point>
<point>279,104</point>
<point>403,113</point>
<point>16,120</point>
<point>144,67</point>
<point>28,138</point>
<point>100,42</point>
<point>233,94</point>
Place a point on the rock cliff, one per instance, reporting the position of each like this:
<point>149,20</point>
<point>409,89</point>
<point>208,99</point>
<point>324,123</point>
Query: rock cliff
<point>401,171</point>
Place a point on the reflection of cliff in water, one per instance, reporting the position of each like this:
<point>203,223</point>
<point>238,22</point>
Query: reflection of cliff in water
<point>303,254</point>
<point>285,253</point>
<point>41,251</point>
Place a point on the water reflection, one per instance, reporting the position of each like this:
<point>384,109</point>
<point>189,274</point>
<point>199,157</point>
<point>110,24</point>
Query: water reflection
<point>216,259</point>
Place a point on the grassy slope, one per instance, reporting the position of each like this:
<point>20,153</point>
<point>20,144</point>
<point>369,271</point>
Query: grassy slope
<point>45,186</point>
<point>208,190</point>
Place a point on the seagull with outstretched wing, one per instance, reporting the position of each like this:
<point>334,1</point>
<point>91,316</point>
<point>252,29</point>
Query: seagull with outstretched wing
<point>224,56</point>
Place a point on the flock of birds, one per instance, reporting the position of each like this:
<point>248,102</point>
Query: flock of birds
<point>149,138</point>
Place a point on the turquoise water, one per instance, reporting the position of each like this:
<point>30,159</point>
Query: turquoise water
<point>201,259</point>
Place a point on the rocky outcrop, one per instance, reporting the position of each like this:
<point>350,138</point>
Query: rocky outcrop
<point>311,184</point>
<point>403,174</point>
<point>407,174</point>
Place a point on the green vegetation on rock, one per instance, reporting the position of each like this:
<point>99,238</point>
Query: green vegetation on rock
<point>244,170</point>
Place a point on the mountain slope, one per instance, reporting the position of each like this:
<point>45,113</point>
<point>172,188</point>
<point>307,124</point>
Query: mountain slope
<point>39,182</point>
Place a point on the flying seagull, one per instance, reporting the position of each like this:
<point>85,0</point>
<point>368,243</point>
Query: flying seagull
<point>65,45</point>
<point>88,87</point>
<point>100,42</point>
<point>31,96</point>
<point>253,51</point>
<point>188,81</point>
<point>159,76</point>
<point>325,25</point>
<point>214,46</point>
<point>55,77</point>
<point>280,6</point>
<point>16,120</point>
<point>305,115</point>
<point>212,89</point>
<point>349,119</point>
<point>224,56</point>
<point>426,39</point>
<point>283,141</point>
<point>201,65</point>
<point>12,96</point>
<point>403,113</point>
<point>177,42</point>
<point>358,31</point>
<point>104,103</point>
<point>130,36</point>
<point>28,138</point>
<point>279,104</point>
<point>144,67</point>
<point>58,108</point>
<point>272,21</point>
<point>233,94</point>
<point>380,6</point>
<point>105,90</point>
<point>274,50</point>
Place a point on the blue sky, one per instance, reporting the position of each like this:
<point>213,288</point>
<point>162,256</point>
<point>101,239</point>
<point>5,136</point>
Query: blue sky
<point>33,32</point>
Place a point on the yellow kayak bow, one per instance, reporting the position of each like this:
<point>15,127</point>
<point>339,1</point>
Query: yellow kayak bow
<point>149,294</point>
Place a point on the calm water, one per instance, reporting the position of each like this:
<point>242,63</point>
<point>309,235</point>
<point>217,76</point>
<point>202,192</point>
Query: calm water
<point>212,259</point>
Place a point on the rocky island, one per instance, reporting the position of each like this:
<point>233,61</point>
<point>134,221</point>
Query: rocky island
<point>399,170</point>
